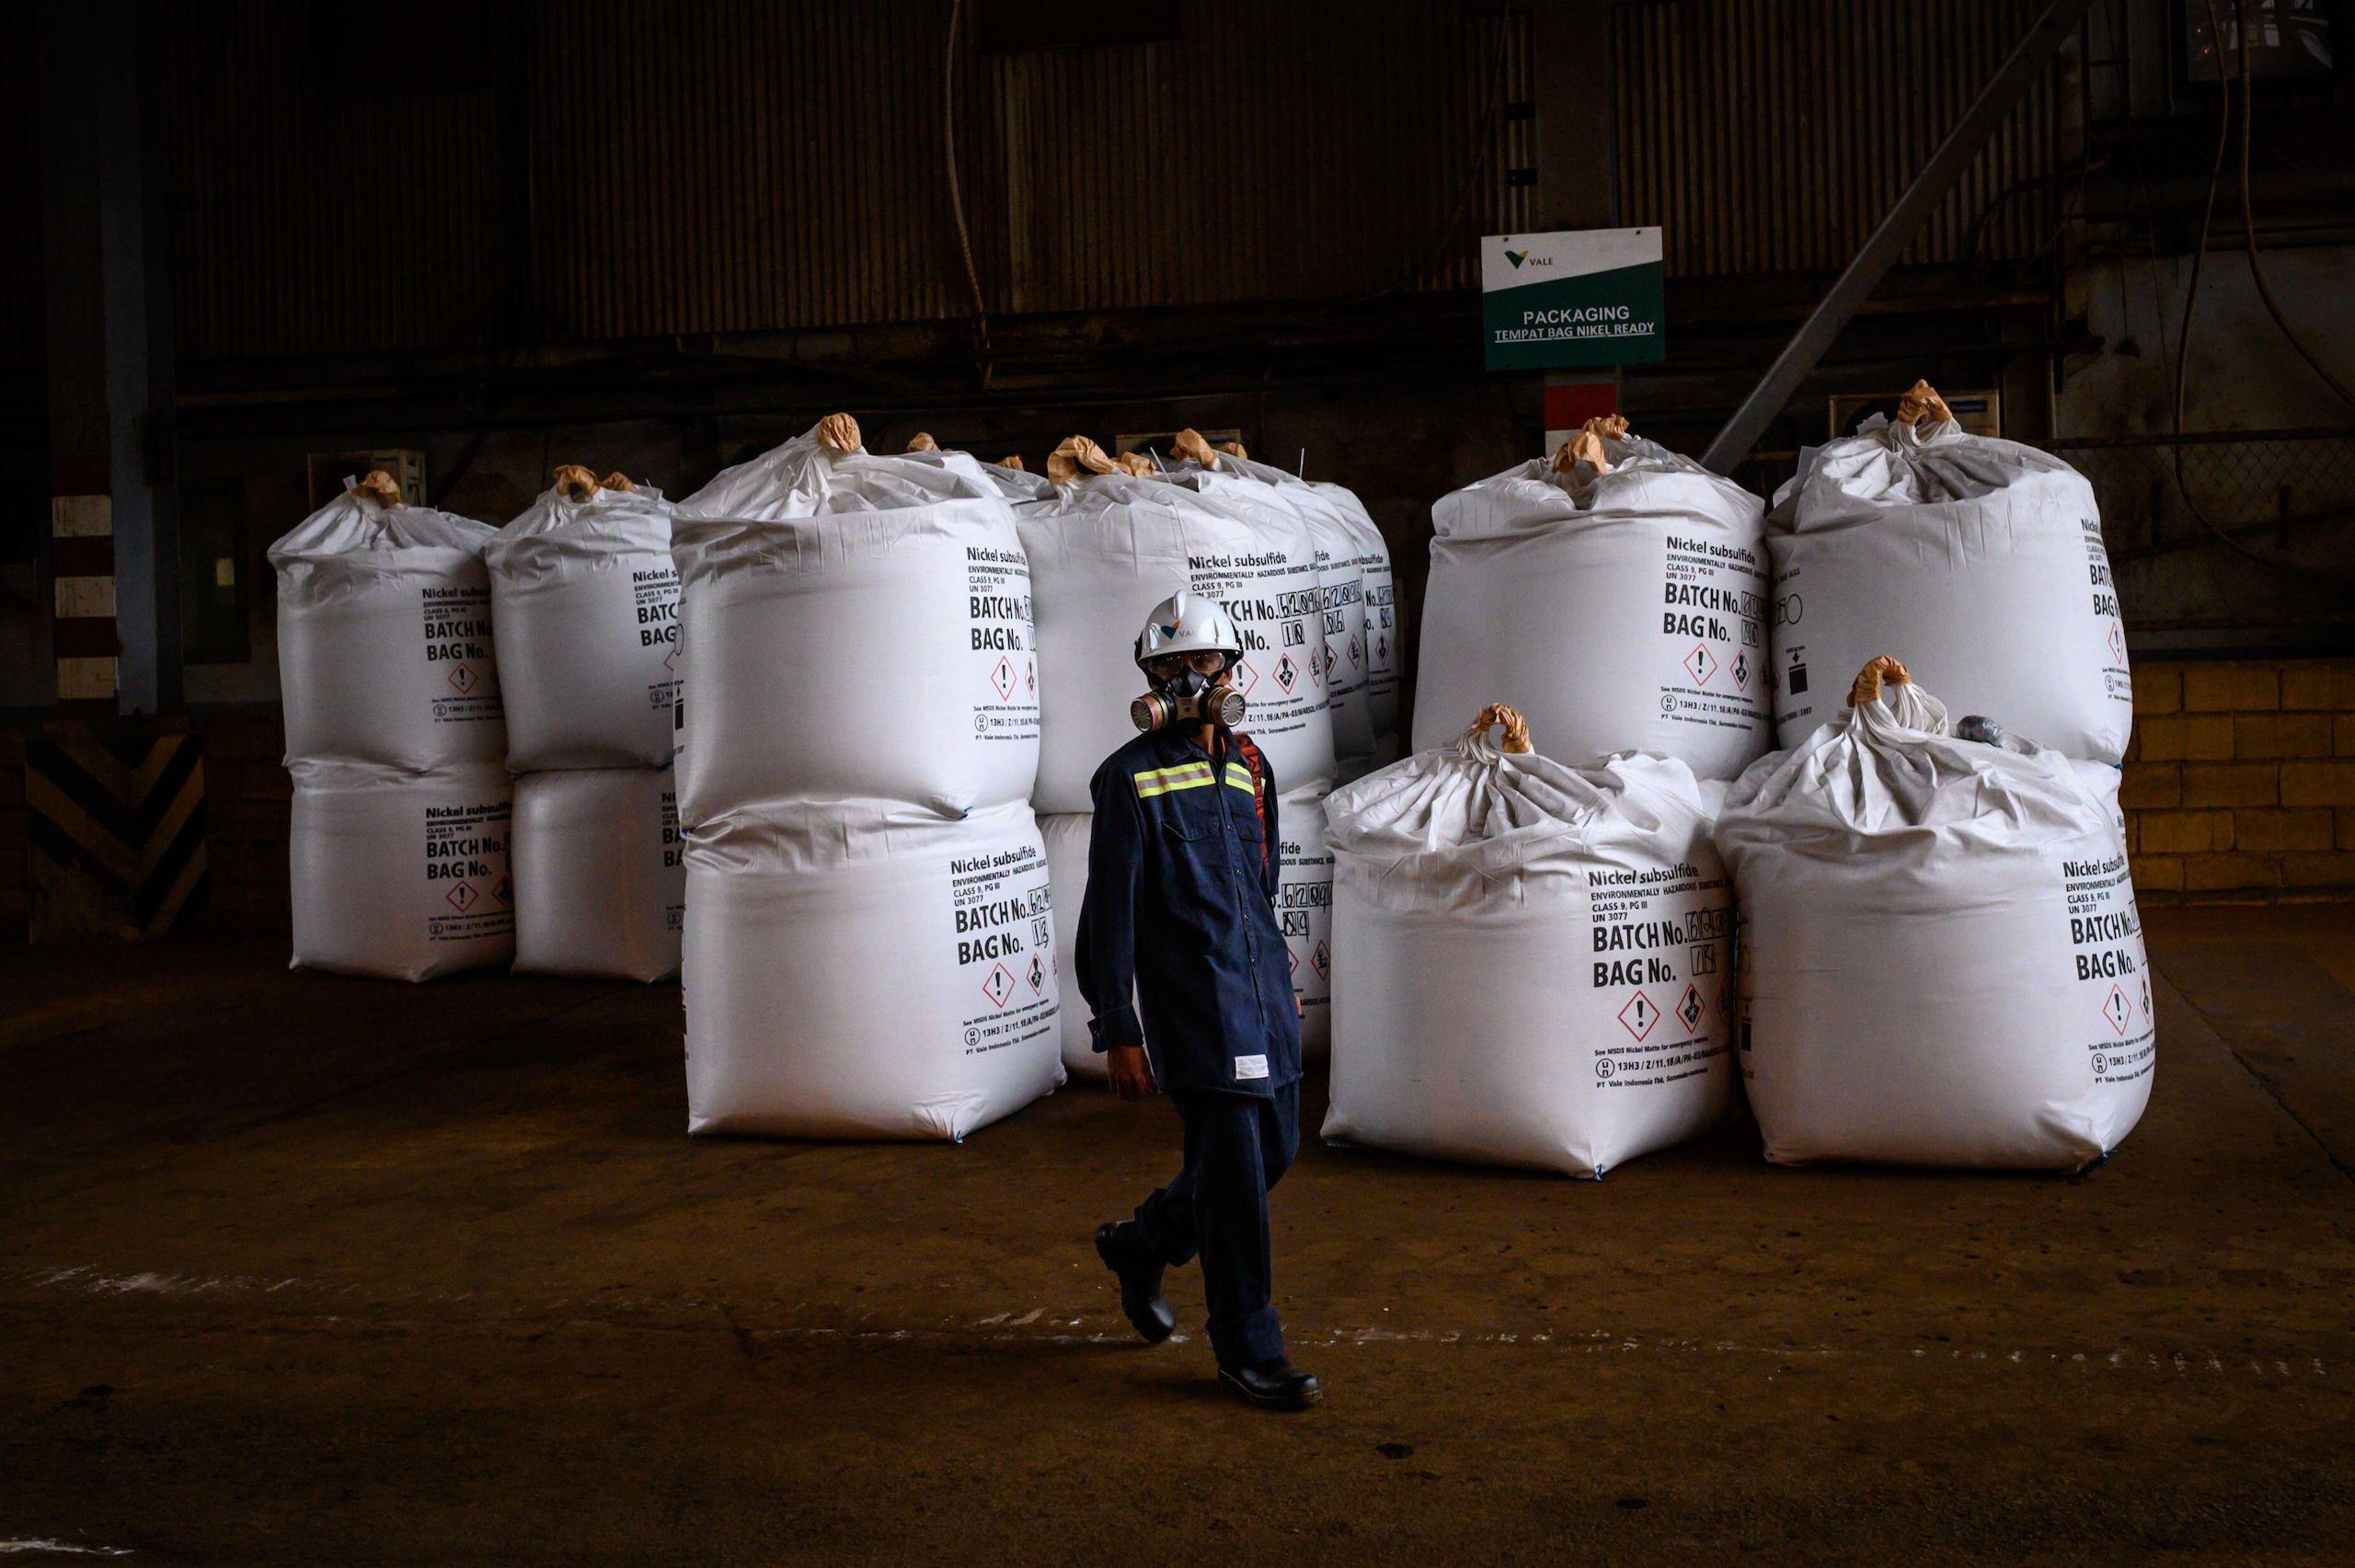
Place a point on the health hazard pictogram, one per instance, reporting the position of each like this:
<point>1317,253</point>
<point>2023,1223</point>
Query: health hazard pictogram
<point>1741,671</point>
<point>999,986</point>
<point>1037,976</point>
<point>1322,961</point>
<point>1002,677</point>
<point>1355,652</point>
<point>1382,646</point>
<point>1287,675</point>
<point>1031,676</point>
<point>462,677</point>
<point>504,891</point>
<point>2118,1010</point>
<point>463,897</point>
<point>1700,664</point>
<point>1690,1007</point>
<point>1639,1016</point>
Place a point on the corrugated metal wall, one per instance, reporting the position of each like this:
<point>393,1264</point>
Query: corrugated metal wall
<point>1772,137</point>
<point>737,165</point>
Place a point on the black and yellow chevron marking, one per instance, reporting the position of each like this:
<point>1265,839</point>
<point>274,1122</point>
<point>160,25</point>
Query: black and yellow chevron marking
<point>115,823</point>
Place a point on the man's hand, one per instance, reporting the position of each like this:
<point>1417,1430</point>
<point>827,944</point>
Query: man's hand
<point>1132,1073</point>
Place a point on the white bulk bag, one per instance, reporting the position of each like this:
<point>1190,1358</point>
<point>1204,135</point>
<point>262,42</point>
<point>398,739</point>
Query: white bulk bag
<point>1110,547</point>
<point>1985,558</point>
<point>1066,834</point>
<point>585,605</point>
<point>384,647</point>
<point>398,875</point>
<point>1013,481</point>
<point>1305,911</point>
<point>864,969</point>
<point>601,876</point>
<point>1340,573</point>
<point>1942,963</point>
<point>1384,635</point>
<point>854,626</point>
<point>1533,960</point>
<point>1616,606</point>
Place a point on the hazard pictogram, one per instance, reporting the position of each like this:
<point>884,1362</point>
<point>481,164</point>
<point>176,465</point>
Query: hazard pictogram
<point>1037,976</point>
<point>1638,1015</point>
<point>671,660</point>
<point>1002,677</point>
<point>1322,961</point>
<point>1741,671</point>
<point>1287,674</point>
<point>1382,646</point>
<point>504,891</point>
<point>1690,1007</point>
<point>999,986</point>
<point>1245,677</point>
<point>462,677</point>
<point>1700,664</point>
<point>463,897</point>
<point>2117,640</point>
<point>1725,1000</point>
<point>1355,654</point>
<point>2118,1010</point>
<point>1031,676</point>
<point>1292,958</point>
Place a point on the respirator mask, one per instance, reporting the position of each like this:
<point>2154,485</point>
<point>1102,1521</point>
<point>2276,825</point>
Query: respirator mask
<point>1189,697</point>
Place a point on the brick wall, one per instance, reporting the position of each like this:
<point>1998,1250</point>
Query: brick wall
<point>2241,777</point>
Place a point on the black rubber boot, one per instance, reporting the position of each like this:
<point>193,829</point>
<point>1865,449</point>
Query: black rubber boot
<point>1140,1274</point>
<point>1274,1385</point>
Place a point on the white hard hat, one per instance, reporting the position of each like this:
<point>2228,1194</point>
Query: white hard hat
<point>1187,623</point>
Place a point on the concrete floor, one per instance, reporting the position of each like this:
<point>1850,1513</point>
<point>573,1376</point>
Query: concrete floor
<point>302,1269</point>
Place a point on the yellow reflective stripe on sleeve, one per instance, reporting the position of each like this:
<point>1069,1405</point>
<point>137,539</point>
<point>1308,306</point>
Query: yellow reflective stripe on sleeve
<point>1162,781</point>
<point>1240,777</point>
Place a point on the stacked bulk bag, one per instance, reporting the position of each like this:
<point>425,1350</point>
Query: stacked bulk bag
<point>1384,635</point>
<point>586,608</point>
<point>1942,963</point>
<point>393,733</point>
<point>585,604</point>
<point>870,943</point>
<point>1983,556</point>
<point>868,969</point>
<point>1114,544</point>
<point>1340,570</point>
<point>855,626</point>
<point>601,881</point>
<point>1535,958</point>
<point>1615,594</point>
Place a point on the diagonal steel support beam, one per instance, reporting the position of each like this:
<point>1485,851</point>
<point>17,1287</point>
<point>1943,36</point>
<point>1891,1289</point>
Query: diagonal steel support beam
<point>1904,221</point>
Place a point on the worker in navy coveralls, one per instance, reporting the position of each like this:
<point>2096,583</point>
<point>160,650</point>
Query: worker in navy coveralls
<point>1180,915</point>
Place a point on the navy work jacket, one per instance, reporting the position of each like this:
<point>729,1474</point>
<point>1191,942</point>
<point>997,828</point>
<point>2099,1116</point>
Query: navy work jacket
<point>1182,869</point>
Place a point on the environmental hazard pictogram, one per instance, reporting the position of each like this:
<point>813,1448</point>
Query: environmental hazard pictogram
<point>463,897</point>
<point>1639,1016</point>
<point>1741,671</point>
<point>462,675</point>
<point>1700,664</point>
<point>1037,976</point>
<point>1690,1007</point>
<point>2118,1010</point>
<point>1287,675</point>
<point>999,986</point>
<point>1002,677</point>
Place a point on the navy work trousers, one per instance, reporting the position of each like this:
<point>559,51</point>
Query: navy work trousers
<point>1236,1148</point>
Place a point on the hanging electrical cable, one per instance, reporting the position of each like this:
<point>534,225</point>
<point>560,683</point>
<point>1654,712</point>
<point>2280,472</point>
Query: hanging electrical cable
<point>957,189</point>
<point>2191,301</point>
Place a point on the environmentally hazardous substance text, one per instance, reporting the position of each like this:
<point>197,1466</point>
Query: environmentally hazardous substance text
<point>458,652</point>
<point>2109,968</point>
<point>1003,688</point>
<point>466,867</point>
<point>1662,971</point>
<point>1003,925</point>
